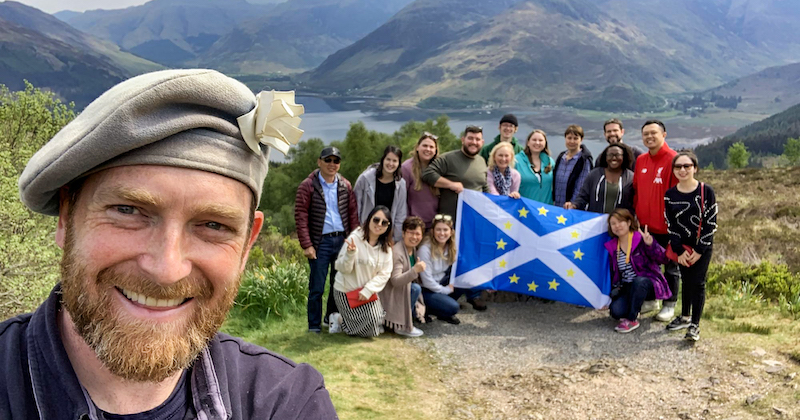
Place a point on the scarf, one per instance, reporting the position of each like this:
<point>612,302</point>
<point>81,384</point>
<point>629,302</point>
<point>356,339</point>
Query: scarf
<point>502,181</point>
<point>627,248</point>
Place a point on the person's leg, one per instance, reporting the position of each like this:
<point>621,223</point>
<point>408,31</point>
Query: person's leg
<point>473,297</point>
<point>673,276</point>
<point>697,274</point>
<point>641,287</point>
<point>416,290</point>
<point>618,308</point>
<point>686,292</point>
<point>318,270</point>
<point>328,253</point>
<point>439,305</point>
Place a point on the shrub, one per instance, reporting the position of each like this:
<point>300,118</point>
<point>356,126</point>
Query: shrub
<point>278,290</point>
<point>773,282</point>
<point>738,156</point>
<point>792,151</point>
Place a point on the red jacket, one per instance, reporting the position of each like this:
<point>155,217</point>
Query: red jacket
<point>309,209</point>
<point>652,179</point>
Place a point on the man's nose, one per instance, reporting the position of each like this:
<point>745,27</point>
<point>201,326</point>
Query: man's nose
<point>166,258</point>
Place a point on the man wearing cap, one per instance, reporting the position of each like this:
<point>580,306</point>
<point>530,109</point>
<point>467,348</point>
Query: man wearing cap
<point>324,212</point>
<point>508,126</point>
<point>155,186</point>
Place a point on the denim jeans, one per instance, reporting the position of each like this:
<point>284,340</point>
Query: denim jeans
<point>628,303</point>
<point>416,290</point>
<point>327,251</point>
<point>671,271</point>
<point>439,304</point>
<point>471,294</point>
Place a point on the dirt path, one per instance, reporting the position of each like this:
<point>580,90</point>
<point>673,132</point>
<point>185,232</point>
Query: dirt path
<point>537,360</point>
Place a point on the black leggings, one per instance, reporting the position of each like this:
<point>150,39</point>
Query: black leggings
<point>694,287</point>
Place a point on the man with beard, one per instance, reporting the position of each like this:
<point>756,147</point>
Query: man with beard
<point>613,131</point>
<point>155,185</point>
<point>454,172</point>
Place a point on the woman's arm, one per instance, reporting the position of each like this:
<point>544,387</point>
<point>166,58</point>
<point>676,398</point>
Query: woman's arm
<point>709,221</point>
<point>378,281</point>
<point>490,183</point>
<point>427,276</point>
<point>401,277</point>
<point>346,261</point>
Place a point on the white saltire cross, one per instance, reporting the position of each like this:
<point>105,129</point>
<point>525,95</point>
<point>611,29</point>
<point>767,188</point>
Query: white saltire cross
<point>531,246</point>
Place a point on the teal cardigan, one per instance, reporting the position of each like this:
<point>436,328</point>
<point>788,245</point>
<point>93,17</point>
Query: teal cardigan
<point>530,186</point>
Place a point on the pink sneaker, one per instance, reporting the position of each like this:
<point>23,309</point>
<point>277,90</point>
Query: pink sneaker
<point>626,326</point>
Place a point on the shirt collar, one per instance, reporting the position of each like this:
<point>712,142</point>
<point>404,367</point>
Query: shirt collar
<point>323,182</point>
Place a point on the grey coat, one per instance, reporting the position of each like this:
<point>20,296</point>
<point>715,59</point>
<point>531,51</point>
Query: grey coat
<point>593,191</point>
<point>365,200</point>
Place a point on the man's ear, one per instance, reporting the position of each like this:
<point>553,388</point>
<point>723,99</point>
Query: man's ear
<point>258,223</point>
<point>63,212</point>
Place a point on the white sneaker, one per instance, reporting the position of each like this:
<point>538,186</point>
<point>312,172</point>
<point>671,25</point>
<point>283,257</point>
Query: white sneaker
<point>649,306</point>
<point>415,332</point>
<point>335,323</point>
<point>666,314</point>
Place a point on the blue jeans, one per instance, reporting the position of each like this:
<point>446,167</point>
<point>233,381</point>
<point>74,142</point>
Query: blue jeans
<point>471,294</point>
<point>416,290</point>
<point>628,303</point>
<point>439,304</point>
<point>327,251</point>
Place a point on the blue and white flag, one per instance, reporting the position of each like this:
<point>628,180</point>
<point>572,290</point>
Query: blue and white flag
<point>523,246</point>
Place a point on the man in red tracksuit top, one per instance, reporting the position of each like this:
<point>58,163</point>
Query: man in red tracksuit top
<point>651,180</point>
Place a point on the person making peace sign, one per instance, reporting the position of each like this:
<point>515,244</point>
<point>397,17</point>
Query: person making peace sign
<point>635,258</point>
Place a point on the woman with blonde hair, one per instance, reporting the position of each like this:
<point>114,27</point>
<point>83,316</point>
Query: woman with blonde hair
<point>423,199</point>
<point>501,177</point>
<point>535,167</point>
<point>438,251</point>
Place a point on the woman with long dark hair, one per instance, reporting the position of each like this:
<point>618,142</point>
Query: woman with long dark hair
<point>691,211</point>
<point>363,267</point>
<point>535,167</point>
<point>610,185</point>
<point>382,185</point>
<point>423,199</point>
<point>634,259</point>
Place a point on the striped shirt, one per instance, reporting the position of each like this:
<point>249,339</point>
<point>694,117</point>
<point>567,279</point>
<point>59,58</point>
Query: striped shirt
<point>625,268</point>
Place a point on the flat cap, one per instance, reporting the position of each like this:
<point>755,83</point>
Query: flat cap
<point>196,119</point>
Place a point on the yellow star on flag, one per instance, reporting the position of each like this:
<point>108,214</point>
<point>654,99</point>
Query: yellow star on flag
<point>514,279</point>
<point>575,234</point>
<point>523,212</point>
<point>502,263</point>
<point>501,244</point>
<point>554,284</point>
<point>542,211</point>
<point>578,254</point>
<point>532,286</point>
<point>561,219</point>
<point>570,273</point>
<point>508,225</point>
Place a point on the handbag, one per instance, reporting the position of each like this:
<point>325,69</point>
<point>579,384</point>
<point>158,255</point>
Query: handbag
<point>669,252</point>
<point>354,302</point>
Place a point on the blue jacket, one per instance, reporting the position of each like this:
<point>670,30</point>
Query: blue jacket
<point>230,379</point>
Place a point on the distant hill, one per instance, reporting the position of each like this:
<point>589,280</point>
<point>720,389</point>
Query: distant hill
<point>767,91</point>
<point>766,137</point>
<point>51,54</point>
<point>549,51</point>
<point>169,32</point>
<point>297,35</point>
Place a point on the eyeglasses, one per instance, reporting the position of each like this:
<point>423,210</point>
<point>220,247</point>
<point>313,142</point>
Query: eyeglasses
<point>332,160</point>
<point>619,155</point>
<point>430,135</point>
<point>685,166</point>
<point>445,217</point>
<point>378,221</point>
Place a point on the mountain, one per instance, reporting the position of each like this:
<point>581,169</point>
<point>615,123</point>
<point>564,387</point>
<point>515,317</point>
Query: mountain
<point>297,35</point>
<point>765,137</point>
<point>51,54</point>
<point>170,32</point>
<point>767,91</point>
<point>552,51</point>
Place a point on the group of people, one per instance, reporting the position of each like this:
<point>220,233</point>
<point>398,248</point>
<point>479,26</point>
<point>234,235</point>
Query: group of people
<point>389,241</point>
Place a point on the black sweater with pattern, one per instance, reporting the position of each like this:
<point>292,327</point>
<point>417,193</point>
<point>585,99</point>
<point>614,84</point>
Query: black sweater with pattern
<point>684,212</point>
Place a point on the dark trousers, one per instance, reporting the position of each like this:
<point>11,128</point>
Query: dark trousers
<point>671,271</point>
<point>439,305</point>
<point>416,290</point>
<point>628,303</point>
<point>471,294</point>
<point>327,251</point>
<point>694,288</point>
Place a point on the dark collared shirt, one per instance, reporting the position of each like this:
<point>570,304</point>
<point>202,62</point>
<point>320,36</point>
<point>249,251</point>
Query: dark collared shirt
<point>230,379</point>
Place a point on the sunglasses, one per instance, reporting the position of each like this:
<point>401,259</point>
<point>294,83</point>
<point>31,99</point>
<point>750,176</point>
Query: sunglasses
<point>378,221</point>
<point>445,217</point>
<point>685,166</point>
<point>332,160</point>
<point>430,135</point>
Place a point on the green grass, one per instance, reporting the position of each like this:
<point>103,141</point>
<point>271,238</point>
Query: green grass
<point>367,378</point>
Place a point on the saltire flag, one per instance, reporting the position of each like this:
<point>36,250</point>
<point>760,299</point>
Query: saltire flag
<point>524,246</point>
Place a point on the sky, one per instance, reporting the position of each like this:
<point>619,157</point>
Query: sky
<point>52,6</point>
